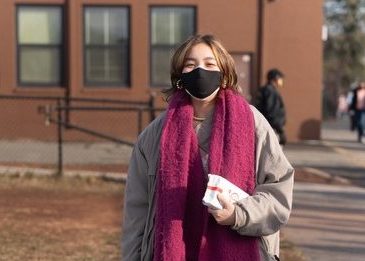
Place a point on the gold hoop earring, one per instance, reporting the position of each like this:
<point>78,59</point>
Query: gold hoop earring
<point>224,85</point>
<point>178,84</point>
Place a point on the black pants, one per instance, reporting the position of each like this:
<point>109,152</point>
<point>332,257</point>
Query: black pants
<point>360,123</point>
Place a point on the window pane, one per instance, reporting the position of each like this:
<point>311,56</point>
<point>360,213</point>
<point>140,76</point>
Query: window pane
<point>39,65</point>
<point>171,25</point>
<point>160,66</point>
<point>105,26</point>
<point>94,26</point>
<point>161,27</point>
<point>40,25</point>
<point>105,65</point>
<point>119,27</point>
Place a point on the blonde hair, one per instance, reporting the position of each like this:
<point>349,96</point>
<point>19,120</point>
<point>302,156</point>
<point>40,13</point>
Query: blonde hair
<point>224,61</point>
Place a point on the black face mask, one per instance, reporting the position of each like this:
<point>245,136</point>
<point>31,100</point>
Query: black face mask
<point>201,83</point>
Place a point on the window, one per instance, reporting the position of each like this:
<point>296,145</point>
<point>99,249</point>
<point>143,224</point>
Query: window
<point>170,26</point>
<point>40,45</point>
<point>106,46</point>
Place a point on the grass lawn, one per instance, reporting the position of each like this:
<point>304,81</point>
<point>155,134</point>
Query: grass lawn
<point>67,219</point>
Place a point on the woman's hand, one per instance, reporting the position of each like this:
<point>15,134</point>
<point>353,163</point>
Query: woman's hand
<point>225,216</point>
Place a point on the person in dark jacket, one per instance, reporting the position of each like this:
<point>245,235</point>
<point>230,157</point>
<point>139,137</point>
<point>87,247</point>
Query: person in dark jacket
<point>358,106</point>
<point>270,103</point>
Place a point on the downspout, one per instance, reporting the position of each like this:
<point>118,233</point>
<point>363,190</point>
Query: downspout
<point>259,42</point>
<point>66,61</point>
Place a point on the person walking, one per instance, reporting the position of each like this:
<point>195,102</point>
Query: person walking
<point>208,128</point>
<point>358,105</point>
<point>351,107</point>
<point>270,103</point>
<point>342,106</point>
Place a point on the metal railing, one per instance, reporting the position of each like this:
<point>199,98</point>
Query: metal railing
<point>59,113</point>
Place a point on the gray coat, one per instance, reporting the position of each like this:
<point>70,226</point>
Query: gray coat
<point>260,215</point>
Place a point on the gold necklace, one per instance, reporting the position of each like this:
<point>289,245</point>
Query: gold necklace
<point>198,118</point>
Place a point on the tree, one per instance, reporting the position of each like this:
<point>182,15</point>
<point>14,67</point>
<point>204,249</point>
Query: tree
<point>344,49</point>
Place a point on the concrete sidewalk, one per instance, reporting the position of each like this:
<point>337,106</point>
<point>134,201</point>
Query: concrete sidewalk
<point>338,153</point>
<point>327,221</point>
<point>106,160</point>
<point>40,152</point>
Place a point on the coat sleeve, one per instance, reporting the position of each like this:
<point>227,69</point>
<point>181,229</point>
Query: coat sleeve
<point>135,205</point>
<point>269,208</point>
<point>273,109</point>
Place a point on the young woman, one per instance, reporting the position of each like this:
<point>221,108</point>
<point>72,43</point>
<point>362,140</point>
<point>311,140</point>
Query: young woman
<point>207,128</point>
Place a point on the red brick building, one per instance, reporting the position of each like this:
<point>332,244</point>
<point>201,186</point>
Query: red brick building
<point>120,49</point>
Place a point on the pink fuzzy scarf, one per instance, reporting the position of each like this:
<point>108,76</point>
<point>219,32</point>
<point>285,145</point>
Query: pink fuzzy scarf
<point>184,229</point>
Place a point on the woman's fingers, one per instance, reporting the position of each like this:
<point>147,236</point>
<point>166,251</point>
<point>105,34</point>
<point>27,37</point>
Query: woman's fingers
<point>225,216</point>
